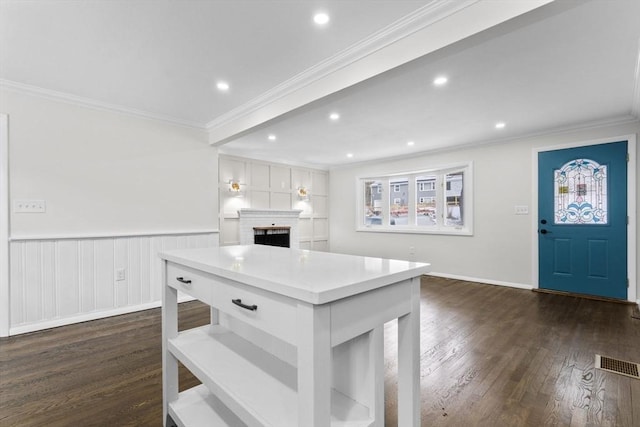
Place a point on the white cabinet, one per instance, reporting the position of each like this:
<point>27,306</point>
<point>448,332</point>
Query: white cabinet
<point>295,337</point>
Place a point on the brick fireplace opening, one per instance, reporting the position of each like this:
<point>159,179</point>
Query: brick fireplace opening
<point>269,219</point>
<point>272,236</point>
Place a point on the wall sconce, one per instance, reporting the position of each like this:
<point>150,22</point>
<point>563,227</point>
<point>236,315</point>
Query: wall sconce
<point>303,193</point>
<point>234,186</point>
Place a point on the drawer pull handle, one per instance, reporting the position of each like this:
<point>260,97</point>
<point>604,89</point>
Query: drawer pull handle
<point>183,280</point>
<point>239,303</point>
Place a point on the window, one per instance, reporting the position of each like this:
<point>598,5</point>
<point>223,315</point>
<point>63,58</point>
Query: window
<point>426,185</point>
<point>453,195</point>
<point>580,193</point>
<point>372,202</point>
<point>399,206</point>
<point>427,201</point>
<point>435,200</point>
<point>426,208</point>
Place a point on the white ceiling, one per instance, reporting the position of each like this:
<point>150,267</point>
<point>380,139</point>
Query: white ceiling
<point>562,65</point>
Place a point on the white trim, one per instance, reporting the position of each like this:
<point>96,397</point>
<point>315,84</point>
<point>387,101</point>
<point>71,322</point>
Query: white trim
<point>632,231</point>
<point>483,281</point>
<point>94,104</point>
<point>631,206</point>
<point>33,327</point>
<point>407,25</point>
<point>635,102</point>
<point>415,230</point>
<point>5,314</point>
<point>90,236</point>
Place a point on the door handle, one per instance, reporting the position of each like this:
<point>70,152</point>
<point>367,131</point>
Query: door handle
<point>543,231</point>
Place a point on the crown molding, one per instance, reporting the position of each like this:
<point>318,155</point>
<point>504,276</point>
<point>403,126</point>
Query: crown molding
<point>91,103</point>
<point>434,11</point>
<point>556,131</point>
<point>635,102</point>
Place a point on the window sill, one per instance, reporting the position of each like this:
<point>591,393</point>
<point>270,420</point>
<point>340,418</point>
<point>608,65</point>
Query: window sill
<point>415,230</point>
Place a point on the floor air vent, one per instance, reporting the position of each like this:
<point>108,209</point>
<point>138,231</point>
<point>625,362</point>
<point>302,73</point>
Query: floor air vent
<point>617,366</point>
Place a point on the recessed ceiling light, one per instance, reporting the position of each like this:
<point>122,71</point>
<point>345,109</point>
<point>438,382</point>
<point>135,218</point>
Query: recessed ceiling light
<point>349,155</point>
<point>272,137</point>
<point>334,116</point>
<point>222,86</point>
<point>411,143</point>
<point>440,81</point>
<point>321,18</point>
<point>500,125</point>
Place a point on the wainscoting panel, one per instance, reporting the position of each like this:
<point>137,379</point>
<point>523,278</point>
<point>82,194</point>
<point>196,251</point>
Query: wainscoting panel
<point>59,281</point>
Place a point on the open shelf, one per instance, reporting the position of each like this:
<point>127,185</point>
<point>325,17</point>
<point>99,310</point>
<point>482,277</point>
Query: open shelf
<point>198,407</point>
<point>252,383</point>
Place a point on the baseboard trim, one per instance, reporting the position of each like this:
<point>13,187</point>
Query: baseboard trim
<point>480,280</point>
<point>40,326</point>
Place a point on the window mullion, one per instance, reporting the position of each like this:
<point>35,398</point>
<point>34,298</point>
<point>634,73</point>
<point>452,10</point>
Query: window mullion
<point>411,200</point>
<point>386,194</point>
<point>440,200</point>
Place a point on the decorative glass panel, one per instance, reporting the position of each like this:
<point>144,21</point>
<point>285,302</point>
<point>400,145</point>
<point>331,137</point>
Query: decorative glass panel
<point>580,191</point>
<point>399,202</point>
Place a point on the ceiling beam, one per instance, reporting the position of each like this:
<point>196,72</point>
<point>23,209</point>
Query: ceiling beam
<point>432,27</point>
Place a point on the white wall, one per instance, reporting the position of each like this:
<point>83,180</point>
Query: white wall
<point>105,172</point>
<point>117,189</point>
<point>500,250</point>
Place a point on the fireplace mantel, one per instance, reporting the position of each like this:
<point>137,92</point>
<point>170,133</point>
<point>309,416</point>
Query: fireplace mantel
<point>269,213</point>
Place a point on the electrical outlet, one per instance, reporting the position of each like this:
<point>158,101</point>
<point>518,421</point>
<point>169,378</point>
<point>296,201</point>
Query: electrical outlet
<point>522,210</point>
<point>120,274</point>
<point>29,206</point>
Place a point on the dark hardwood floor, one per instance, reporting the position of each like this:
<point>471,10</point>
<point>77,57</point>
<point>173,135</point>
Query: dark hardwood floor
<point>491,356</point>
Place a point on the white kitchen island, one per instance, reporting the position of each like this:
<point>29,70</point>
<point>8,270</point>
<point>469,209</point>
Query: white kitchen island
<point>296,337</point>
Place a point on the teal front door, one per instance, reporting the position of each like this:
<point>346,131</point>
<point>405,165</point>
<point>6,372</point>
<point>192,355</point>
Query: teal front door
<point>582,220</point>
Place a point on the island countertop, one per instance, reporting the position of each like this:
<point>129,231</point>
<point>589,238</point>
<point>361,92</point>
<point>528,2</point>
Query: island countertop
<point>310,276</point>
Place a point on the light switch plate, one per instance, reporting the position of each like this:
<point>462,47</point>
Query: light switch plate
<point>29,206</point>
<point>522,210</point>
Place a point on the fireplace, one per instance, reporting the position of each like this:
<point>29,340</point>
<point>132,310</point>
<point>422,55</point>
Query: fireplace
<point>270,224</point>
<point>272,236</point>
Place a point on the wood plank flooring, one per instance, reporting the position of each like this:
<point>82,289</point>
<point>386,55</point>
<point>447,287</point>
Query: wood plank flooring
<point>490,356</point>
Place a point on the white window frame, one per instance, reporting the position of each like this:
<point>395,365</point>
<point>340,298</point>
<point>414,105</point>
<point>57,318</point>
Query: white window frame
<point>439,228</point>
